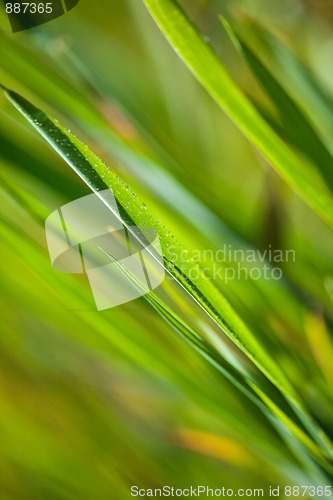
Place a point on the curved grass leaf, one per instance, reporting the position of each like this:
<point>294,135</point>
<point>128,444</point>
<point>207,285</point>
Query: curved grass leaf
<point>208,70</point>
<point>296,127</point>
<point>133,212</point>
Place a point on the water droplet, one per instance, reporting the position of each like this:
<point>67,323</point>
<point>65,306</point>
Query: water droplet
<point>144,205</point>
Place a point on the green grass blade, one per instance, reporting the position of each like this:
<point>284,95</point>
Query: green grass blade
<point>133,212</point>
<point>206,67</point>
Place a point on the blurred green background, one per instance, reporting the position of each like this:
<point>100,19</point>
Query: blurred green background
<point>94,402</point>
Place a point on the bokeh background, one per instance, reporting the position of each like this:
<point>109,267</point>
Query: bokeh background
<point>92,403</point>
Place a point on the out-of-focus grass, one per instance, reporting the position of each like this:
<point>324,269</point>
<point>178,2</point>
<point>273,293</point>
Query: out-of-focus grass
<point>94,402</point>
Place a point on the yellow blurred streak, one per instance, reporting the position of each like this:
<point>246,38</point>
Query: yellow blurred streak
<point>320,343</point>
<point>220,447</point>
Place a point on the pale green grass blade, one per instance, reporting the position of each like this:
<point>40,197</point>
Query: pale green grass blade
<point>206,67</point>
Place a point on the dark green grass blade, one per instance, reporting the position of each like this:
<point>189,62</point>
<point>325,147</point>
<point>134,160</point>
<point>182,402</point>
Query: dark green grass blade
<point>295,126</point>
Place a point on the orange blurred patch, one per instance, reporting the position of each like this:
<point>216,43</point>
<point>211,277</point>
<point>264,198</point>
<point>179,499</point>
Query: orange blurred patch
<point>215,446</point>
